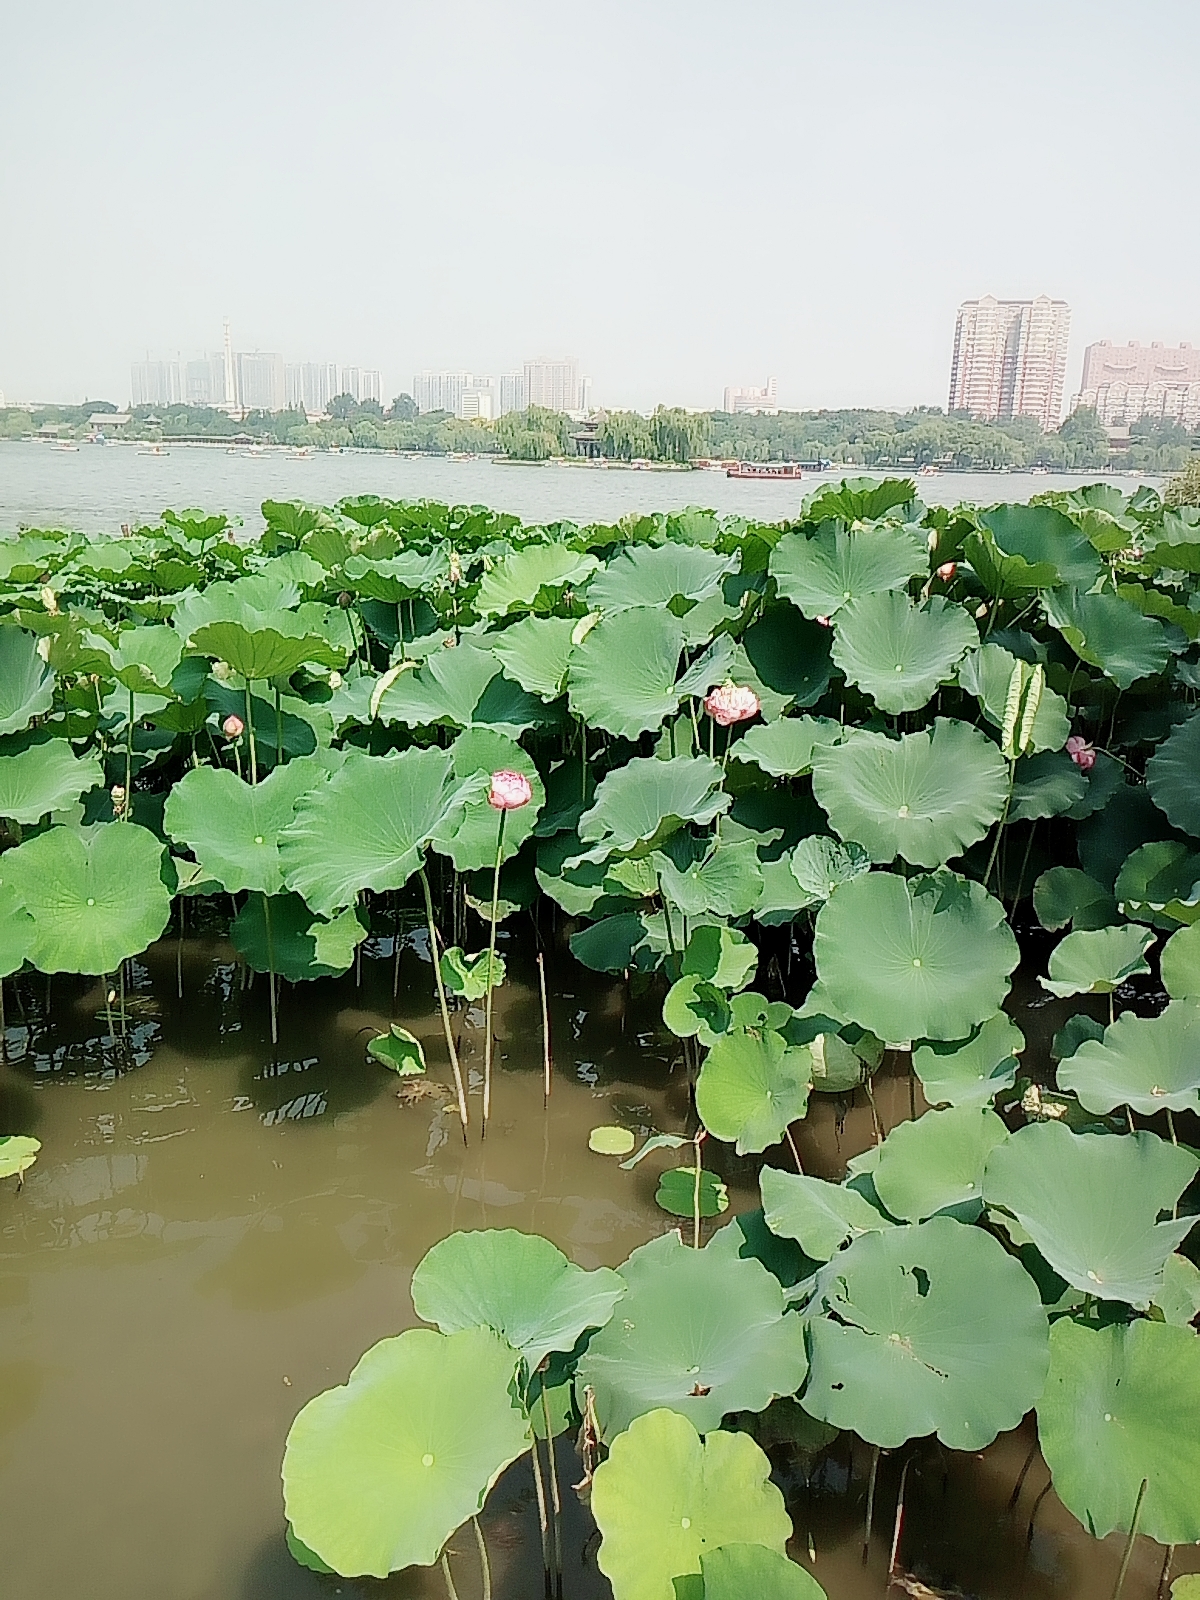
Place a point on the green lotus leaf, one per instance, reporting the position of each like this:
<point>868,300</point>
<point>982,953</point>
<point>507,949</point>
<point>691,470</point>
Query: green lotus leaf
<point>26,682</point>
<point>96,896</point>
<point>534,653</point>
<point>521,577</point>
<point>17,929</point>
<point>279,933</point>
<point>784,659</point>
<point>1113,1415</point>
<point>836,1066</point>
<point>1045,785</point>
<point>1065,895</point>
<point>699,1331</point>
<point>823,573</point>
<point>926,796</point>
<point>785,748</point>
<point>1179,1298</point>
<point>367,828</point>
<point>1171,776</point>
<point>1098,961</point>
<point>1051,548</point>
<point>863,499</point>
<point>611,1141</point>
<point>233,827</point>
<point>579,888</point>
<point>398,1050</point>
<point>43,778</point>
<point>647,800</point>
<point>263,652</point>
<point>1150,1064</point>
<point>467,976</point>
<point>728,882</point>
<point>971,1072</point>
<point>622,675</point>
<point>519,1285</point>
<point>392,578</point>
<point>782,898</point>
<point>926,1329</point>
<point>612,944</point>
<point>898,652</point>
<point>459,686</point>
<point>378,1473</point>
<point>1091,1203</point>
<point>1109,633</point>
<point>1179,964</point>
<point>737,1570</point>
<point>656,575</point>
<point>468,833</point>
<point>1160,880</point>
<point>987,672</point>
<point>18,1152</point>
<point>936,1163</point>
<point>302,1555</point>
<point>722,956</point>
<point>143,659</point>
<point>695,1007</point>
<point>751,1087</point>
<point>664,1499</point>
<point>820,1216</point>
<point>924,959</point>
<point>677,1192</point>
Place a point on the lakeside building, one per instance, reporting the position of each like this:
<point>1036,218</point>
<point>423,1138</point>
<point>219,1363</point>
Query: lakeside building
<point>752,402</point>
<point>1010,359</point>
<point>1127,381</point>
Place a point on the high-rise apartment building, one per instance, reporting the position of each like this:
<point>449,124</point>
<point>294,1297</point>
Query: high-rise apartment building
<point>509,393</point>
<point>1127,381</point>
<point>475,405</point>
<point>553,384</point>
<point>750,401</point>
<point>156,383</point>
<point>440,391</point>
<point>261,384</point>
<point>1010,359</point>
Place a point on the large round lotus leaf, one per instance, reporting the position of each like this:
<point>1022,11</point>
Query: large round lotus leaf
<point>519,577</point>
<point>1179,964</point>
<point>1099,961</point>
<point>1150,1064</point>
<point>17,930</point>
<point>899,653</point>
<point>987,673</point>
<point>534,653</point>
<point>1063,895</point>
<point>380,1472</point>
<point>519,1285</point>
<point>26,682</point>
<point>971,1072</point>
<point>1160,880</point>
<point>265,652</point>
<point>936,1163</point>
<point>18,1152</point>
<point>823,573</point>
<point>368,827</point>
<point>280,934</point>
<point>1171,776</point>
<point>923,959</point>
<point>1091,1203</point>
<point>622,675</point>
<point>468,835</point>
<point>664,1498</point>
<point>448,687</point>
<point>736,1571</point>
<point>45,777</point>
<point>819,865</point>
<point>751,1087</point>
<point>1043,542</point>
<point>1109,633</point>
<point>699,1331</point>
<point>926,796</point>
<point>1122,1405</point>
<point>929,1329</point>
<point>784,748</point>
<point>820,1216</point>
<point>232,827</point>
<point>95,896</point>
<point>647,800</point>
<point>654,575</point>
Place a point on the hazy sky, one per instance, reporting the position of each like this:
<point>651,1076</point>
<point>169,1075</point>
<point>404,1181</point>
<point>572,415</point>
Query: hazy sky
<point>682,193</point>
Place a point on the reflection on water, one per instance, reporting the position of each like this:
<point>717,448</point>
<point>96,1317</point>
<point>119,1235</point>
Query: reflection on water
<point>215,1231</point>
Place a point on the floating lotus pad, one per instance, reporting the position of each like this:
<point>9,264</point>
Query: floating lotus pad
<point>1150,1064</point>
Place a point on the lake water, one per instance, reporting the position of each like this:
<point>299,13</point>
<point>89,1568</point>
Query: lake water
<point>98,488</point>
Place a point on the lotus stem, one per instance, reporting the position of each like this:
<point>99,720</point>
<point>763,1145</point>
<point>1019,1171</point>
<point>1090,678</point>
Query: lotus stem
<point>543,1517</point>
<point>128,804</point>
<point>485,1565</point>
<point>124,1021</point>
<point>271,968</point>
<point>1012,774</point>
<point>1165,1574</point>
<point>675,955</point>
<point>696,1192</point>
<point>547,1062</point>
<point>897,1526</point>
<point>1130,1542</point>
<point>583,760</point>
<point>555,1497</point>
<point>1033,1514</point>
<point>179,952</point>
<point>870,1515</point>
<point>108,1000</point>
<point>278,728</point>
<point>795,1153</point>
<point>1022,1475</point>
<point>441,994</point>
<point>3,1026</point>
<point>451,1591</point>
<point>250,732</point>
<point>1171,1127</point>
<point>491,986</point>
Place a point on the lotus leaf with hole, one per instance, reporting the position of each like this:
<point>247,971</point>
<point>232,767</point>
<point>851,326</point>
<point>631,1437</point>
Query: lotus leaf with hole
<point>233,827</point>
<point>43,778</point>
<point>823,573</point>
<point>970,1072</point>
<point>622,674</point>
<point>898,652</point>
<point>26,682</point>
<point>1099,961</point>
<point>936,1163</point>
<point>1150,1064</point>
<point>1179,964</point>
<point>820,1216</point>
<point>751,1087</point>
<point>647,800</point>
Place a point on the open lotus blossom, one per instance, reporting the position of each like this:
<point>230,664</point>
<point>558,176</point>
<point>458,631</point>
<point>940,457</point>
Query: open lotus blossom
<point>233,727</point>
<point>947,570</point>
<point>509,791</point>
<point>729,703</point>
<point>1081,752</point>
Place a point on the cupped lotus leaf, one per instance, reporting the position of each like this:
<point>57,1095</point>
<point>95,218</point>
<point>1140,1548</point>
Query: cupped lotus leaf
<point>1065,895</point>
<point>17,930</point>
<point>823,573</point>
<point>735,1571</point>
<point>936,1163</point>
<point>26,682</point>
<point>898,652</point>
<point>784,748</point>
<point>1160,879</point>
<point>43,778</point>
<point>264,652</point>
<point>622,675</point>
<point>699,1331</point>
<point>1109,633</point>
<point>722,956</point>
<point>1179,964</point>
<point>665,1498</point>
<point>694,1008</point>
<point>1171,776</point>
<point>520,577</point>
<point>971,1072</point>
<point>728,882</point>
<point>279,933</point>
<point>143,659</point>
<point>1050,547</point>
<point>836,1066</point>
<point>367,828</point>
<point>468,835</point>
<point>96,895</point>
<point>1045,785</point>
<point>1122,1406</point>
<point>378,1473</point>
<point>18,1152</point>
<point>926,796</point>
<point>233,827</point>
<point>655,575</point>
<point>519,1285</point>
<point>398,1050</point>
<point>467,976</point>
<point>679,1194</point>
<point>647,800</point>
<point>926,1329</point>
<point>612,944</point>
<point>392,578</point>
<point>534,653</point>
<point>1091,1203</point>
<point>751,1087</point>
<point>863,499</point>
<point>987,673</point>
<point>611,1141</point>
<point>1179,1298</point>
<point>820,1216</point>
<point>1098,961</point>
<point>819,865</point>
<point>1150,1064</point>
<point>925,959</point>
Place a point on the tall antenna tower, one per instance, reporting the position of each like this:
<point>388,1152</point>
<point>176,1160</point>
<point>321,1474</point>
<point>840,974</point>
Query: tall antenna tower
<point>231,398</point>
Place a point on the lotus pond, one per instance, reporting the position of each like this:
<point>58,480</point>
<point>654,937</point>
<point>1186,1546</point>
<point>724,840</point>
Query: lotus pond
<point>657,1060</point>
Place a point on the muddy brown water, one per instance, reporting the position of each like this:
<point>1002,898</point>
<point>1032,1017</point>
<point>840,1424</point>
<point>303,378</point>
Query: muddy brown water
<point>215,1231</point>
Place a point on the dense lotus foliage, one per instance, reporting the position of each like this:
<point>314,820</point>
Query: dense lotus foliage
<point>826,785</point>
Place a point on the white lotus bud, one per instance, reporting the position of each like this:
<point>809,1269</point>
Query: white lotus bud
<point>222,670</point>
<point>335,680</point>
<point>50,600</point>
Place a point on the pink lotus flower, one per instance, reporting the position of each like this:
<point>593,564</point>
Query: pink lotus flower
<point>947,570</point>
<point>233,727</point>
<point>1081,752</point>
<point>509,791</point>
<point>729,704</point>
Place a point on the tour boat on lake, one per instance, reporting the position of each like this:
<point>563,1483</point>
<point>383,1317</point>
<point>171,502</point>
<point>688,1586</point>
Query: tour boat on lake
<point>788,471</point>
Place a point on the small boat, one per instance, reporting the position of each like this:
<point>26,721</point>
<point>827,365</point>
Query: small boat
<point>786,471</point>
<point>63,444</point>
<point>929,472</point>
<point>153,450</point>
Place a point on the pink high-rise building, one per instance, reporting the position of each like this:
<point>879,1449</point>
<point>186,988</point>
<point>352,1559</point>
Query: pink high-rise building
<point>1010,359</point>
<point>1127,381</point>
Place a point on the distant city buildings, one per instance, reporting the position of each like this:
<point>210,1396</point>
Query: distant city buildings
<point>254,380</point>
<point>1010,359</point>
<point>747,402</point>
<point>1127,381</point>
<point>470,396</point>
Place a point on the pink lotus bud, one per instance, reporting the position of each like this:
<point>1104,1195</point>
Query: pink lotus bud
<point>1081,752</point>
<point>509,791</point>
<point>730,703</point>
<point>947,570</point>
<point>233,727</point>
<point>825,622</point>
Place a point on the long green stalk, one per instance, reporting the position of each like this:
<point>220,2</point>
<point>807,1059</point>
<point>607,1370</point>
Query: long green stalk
<point>250,732</point>
<point>491,986</point>
<point>445,1010</point>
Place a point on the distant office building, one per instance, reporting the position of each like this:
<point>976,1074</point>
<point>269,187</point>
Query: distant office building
<point>204,382</point>
<point>156,383</point>
<point>553,384</point>
<point>747,402</point>
<point>261,383</point>
<point>360,383</point>
<point>509,393</point>
<point>1010,359</point>
<point>1127,381</point>
<point>475,405</point>
<point>440,391</point>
